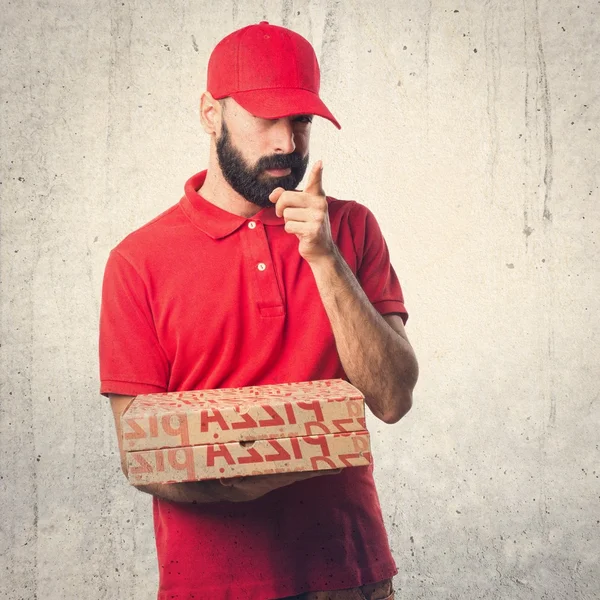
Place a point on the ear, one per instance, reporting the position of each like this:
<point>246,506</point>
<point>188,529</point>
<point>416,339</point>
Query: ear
<point>210,113</point>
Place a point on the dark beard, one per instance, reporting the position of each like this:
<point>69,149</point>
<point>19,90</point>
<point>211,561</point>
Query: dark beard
<point>251,182</point>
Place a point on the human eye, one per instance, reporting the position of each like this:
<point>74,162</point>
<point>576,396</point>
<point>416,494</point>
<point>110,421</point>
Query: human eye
<point>303,119</point>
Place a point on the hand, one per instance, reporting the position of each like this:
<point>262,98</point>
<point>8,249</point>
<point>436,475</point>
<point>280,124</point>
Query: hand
<point>306,215</point>
<point>243,489</point>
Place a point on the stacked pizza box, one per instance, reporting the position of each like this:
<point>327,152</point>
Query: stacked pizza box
<point>212,434</point>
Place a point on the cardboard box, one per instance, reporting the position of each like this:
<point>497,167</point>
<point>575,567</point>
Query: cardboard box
<point>262,457</point>
<point>181,419</point>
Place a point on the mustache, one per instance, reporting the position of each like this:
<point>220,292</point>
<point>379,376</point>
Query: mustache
<point>280,161</point>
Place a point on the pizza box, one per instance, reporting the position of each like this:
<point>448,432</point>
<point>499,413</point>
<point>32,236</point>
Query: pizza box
<point>195,418</point>
<point>260,457</point>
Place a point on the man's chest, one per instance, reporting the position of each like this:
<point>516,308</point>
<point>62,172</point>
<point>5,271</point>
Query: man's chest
<point>248,291</point>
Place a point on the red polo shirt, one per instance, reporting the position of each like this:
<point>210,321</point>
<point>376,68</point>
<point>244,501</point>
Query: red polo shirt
<point>200,298</point>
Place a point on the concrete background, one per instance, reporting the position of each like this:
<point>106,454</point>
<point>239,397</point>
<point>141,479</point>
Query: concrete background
<point>470,128</point>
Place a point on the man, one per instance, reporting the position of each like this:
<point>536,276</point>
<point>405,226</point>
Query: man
<point>248,282</point>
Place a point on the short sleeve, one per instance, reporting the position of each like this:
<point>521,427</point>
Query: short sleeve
<point>131,359</point>
<point>375,272</point>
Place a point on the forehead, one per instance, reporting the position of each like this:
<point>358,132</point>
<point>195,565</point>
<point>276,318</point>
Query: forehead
<point>234,108</point>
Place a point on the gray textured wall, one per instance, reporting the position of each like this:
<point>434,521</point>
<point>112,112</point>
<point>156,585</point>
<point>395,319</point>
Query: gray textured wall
<point>471,130</point>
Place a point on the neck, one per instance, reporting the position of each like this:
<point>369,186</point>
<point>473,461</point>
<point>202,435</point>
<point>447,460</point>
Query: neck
<point>217,191</point>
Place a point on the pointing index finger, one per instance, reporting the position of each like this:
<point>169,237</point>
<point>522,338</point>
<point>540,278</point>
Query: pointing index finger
<point>315,180</point>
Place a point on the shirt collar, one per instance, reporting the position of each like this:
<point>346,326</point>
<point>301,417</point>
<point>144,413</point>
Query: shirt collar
<point>214,221</point>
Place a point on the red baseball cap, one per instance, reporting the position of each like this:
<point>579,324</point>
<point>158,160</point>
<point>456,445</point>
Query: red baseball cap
<point>270,71</point>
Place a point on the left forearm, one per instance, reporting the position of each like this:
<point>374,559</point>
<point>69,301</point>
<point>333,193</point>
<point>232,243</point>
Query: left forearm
<point>375,352</point>
<point>379,361</point>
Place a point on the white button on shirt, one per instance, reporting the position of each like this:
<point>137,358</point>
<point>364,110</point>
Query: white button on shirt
<point>252,224</point>
<point>262,266</point>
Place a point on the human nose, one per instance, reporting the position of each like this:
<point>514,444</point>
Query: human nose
<point>284,136</point>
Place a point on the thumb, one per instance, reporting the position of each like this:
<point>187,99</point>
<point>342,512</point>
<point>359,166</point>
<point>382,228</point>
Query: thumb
<point>315,180</point>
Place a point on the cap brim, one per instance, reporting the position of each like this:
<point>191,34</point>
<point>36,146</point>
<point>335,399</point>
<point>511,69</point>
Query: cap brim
<point>276,103</point>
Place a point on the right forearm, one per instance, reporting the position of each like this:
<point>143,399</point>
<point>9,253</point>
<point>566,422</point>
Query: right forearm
<point>195,492</point>
<point>235,489</point>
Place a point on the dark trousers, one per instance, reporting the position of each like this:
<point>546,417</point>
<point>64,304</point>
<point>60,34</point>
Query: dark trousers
<point>383,590</point>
